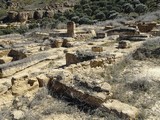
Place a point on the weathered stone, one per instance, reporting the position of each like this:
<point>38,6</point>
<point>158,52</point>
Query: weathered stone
<point>82,89</point>
<point>23,16</point>
<point>155,32</point>
<point>18,114</point>
<point>71,29</point>
<point>49,13</point>
<point>124,44</point>
<point>5,59</point>
<point>146,27</point>
<point>22,85</point>
<point>140,37</point>
<point>123,110</point>
<point>97,63</point>
<point>43,80</point>
<point>93,33</point>
<point>97,49</point>
<point>16,66</point>
<point>17,54</point>
<point>100,35</point>
<point>67,41</point>
<point>122,31</point>
<point>108,27</point>
<point>38,14</point>
<point>12,15</point>
<point>74,58</point>
<point>30,14</point>
<point>58,43</point>
<point>41,34</point>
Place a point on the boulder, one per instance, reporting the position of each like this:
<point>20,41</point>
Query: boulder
<point>17,54</point>
<point>74,58</point>
<point>12,16</point>
<point>22,16</point>
<point>49,13</point>
<point>124,44</point>
<point>18,114</point>
<point>38,14</point>
<point>58,43</point>
<point>100,35</point>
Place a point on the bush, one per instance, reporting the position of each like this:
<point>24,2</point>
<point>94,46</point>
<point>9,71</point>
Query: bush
<point>141,8</point>
<point>100,16</point>
<point>128,8</point>
<point>85,20</point>
<point>75,19</point>
<point>140,85</point>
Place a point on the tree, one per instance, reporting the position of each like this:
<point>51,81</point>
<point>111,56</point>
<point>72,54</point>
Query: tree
<point>128,8</point>
<point>141,8</point>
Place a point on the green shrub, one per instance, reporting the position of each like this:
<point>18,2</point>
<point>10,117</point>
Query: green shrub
<point>100,16</point>
<point>85,20</point>
<point>141,8</point>
<point>75,19</point>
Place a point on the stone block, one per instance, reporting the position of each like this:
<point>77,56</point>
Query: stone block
<point>100,35</point>
<point>123,110</point>
<point>124,44</point>
<point>97,49</point>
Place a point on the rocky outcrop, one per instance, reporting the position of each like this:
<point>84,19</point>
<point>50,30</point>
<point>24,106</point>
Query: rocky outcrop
<point>23,16</point>
<point>12,16</point>
<point>38,14</point>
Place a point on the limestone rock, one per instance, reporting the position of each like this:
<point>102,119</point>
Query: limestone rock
<point>17,54</point>
<point>18,114</point>
<point>23,16</point>
<point>42,80</point>
<point>124,44</point>
<point>12,15</point>
<point>71,29</point>
<point>122,31</point>
<point>97,49</point>
<point>100,35</point>
<point>146,27</point>
<point>38,14</point>
<point>49,13</point>
<point>22,85</point>
<point>123,110</point>
<point>5,59</point>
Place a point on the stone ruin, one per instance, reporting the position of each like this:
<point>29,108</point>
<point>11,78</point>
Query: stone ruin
<point>71,29</point>
<point>73,58</point>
